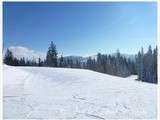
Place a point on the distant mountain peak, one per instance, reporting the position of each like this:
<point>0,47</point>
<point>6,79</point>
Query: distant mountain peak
<point>20,52</point>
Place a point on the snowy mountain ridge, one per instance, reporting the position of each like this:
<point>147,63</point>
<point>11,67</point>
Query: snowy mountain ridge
<point>23,52</point>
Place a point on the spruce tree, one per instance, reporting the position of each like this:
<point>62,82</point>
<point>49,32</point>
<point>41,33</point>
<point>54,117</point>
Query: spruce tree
<point>51,58</point>
<point>142,67</point>
<point>8,59</point>
<point>40,62</point>
<point>154,75</point>
<point>61,61</point>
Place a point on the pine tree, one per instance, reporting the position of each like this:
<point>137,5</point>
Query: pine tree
<point>51,57</point>
<point>77,64</point>
<point>99,65</point>
<point>148,65</point>
<point>118,69</point>
<point>89,63</point>
<point>8,59</point>
<point>142,69</point>
<point>15,62</point>
<point>71,63</point>
<point>154,74</point>
<point>40,62</point>
<point>61,62</point>
<point>22,62</point>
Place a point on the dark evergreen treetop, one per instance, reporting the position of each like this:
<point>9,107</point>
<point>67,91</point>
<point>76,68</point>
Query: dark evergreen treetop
<point>51,58</point>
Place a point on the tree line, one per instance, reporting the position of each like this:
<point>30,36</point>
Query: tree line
<point>144,65</point>
<point>112,64</point>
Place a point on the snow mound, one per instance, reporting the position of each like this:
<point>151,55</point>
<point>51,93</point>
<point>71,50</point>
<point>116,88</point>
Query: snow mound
<point>62,93</point>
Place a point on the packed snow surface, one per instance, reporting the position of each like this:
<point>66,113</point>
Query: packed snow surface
<point>61,93</point>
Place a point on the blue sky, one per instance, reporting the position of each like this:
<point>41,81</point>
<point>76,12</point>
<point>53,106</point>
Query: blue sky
<point>80,28</point>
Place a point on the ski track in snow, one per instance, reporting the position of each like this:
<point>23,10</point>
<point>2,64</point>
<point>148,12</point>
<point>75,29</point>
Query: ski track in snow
<point>61,93</point>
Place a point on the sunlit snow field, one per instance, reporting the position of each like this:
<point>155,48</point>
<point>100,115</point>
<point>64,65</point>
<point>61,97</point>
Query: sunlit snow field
<point>63,93</point>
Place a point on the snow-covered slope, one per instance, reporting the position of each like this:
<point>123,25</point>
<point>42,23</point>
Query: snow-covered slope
<point>41,93</point>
